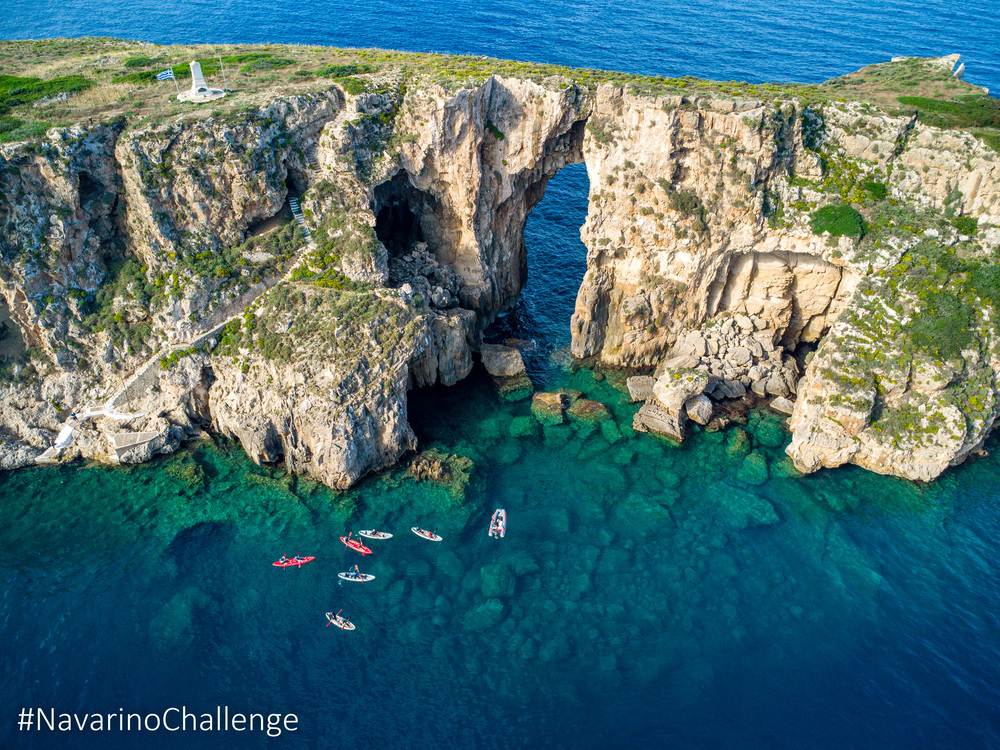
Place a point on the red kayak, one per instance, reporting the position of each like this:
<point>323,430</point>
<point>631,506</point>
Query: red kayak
<point>355,545</point>
<point>292,561</point>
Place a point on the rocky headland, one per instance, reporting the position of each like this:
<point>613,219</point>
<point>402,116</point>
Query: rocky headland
<point>343,227</point>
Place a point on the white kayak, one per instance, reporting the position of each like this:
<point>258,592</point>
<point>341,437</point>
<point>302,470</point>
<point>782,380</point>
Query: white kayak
<point>498,524</point>
<point>425,534</point>
<point>372,534</point>
<point>341,622</point>
<point>360,577</point>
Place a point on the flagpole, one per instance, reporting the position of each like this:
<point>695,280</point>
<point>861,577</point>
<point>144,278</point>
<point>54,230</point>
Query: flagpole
<point>174,79</point>
<point>225,84</point>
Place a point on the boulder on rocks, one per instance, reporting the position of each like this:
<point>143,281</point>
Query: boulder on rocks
<point>674,387</point>
<point>699,409</point>
<point>740,356</point>
<point>502,361</point>
<point>585,410</point>
<point>652,417</point>
<point>680,362</point>
<point>776,385</point>
<point>732,388</point>
<point>547,408</point>
<point>640,387</point>
<point>782,405</point>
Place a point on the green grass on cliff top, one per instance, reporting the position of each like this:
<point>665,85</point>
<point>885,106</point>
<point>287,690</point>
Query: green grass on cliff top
<point>108,78</point>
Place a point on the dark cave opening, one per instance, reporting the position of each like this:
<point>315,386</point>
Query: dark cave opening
<point>294,185</point>
<point>90,189</point>
<point>401,214</point>
<point>11,343</point>
<point>398,228</point>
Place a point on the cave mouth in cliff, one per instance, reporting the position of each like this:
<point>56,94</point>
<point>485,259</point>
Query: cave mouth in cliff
<point>12,343</point>
<point>281,218</point>
<point>400,212</point>
<point>90,188</point>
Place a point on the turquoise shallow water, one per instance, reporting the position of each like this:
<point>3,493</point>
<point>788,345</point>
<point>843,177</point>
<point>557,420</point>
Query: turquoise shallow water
<point>644,593</point>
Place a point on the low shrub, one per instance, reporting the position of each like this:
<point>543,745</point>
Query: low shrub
<point>968,225</point>
<point>839,221</point>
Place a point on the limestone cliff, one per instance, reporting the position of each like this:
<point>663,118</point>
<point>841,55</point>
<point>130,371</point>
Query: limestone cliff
<point>152,263</point>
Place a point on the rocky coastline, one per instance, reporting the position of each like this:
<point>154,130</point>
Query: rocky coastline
<point>284,273</point>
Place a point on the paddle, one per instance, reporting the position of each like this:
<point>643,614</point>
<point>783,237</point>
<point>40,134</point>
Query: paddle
<point>330,622</point>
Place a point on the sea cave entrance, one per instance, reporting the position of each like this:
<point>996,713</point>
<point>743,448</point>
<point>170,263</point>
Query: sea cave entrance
<point>557,260</point>
<point>404,215</point>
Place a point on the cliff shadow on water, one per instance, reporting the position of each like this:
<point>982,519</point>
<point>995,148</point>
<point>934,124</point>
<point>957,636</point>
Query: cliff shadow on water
<point>538,324</point>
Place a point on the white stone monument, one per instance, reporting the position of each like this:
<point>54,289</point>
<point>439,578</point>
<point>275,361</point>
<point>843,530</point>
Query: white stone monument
<point>200,91</point>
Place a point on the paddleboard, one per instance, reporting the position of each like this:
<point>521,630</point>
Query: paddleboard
<point>498,524</point>
<point>341,622</point>
<point>425,534</point>
<point>372,534</point>
<point>292,561</point>
<point>359,578</point>
<point>355,545</point>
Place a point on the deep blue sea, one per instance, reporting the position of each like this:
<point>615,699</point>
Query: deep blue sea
<point>645,595</point>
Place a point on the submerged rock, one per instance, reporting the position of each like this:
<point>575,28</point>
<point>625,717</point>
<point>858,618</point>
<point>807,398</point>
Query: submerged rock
<point>514,389</point>
<point>450,471</point>
<point>753,470</point>
<point>548,408</point>
<point>741,510</point>
<point>484,616</point>
<point>497,581</point>
<point>523,427</point>
<point>739,442</point>
<point>585,410</point>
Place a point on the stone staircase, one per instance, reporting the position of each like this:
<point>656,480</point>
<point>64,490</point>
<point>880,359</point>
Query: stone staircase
<point>301,219</point>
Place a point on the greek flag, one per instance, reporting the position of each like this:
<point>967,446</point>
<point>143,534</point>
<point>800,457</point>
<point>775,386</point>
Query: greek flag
<point>165,75</point>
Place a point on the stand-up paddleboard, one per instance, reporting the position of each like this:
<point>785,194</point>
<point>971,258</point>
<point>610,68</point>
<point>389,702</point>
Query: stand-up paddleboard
<point>425,534</point>
<point>372,534</point>
<point>341,622</point>
<point>498,524</point>
<point>355,545</point>
<point>359,577</point>
<point>292,561</point>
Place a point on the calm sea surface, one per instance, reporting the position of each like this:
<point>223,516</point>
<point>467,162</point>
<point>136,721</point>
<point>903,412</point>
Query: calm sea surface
<point>645,595</point>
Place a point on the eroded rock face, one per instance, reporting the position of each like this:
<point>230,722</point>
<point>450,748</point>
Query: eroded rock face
<point>479,162</point>
<point>701,260</point>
